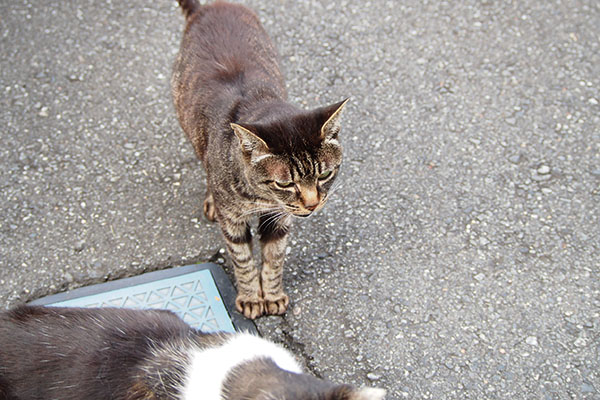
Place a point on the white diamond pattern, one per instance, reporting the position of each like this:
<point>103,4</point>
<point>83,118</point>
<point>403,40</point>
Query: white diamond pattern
<point>189,304</point>
<point>200,306</point>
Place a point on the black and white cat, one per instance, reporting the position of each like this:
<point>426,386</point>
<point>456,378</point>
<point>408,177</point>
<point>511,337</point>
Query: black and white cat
<point>121,354</point>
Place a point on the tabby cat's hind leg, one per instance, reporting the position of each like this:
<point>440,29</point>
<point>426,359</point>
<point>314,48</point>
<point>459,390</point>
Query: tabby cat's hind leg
<point>209,207</point>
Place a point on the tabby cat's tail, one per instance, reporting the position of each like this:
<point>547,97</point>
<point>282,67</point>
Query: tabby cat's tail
<point>189,7</point>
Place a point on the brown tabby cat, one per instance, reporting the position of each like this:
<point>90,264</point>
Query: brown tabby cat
<point>263,156</point>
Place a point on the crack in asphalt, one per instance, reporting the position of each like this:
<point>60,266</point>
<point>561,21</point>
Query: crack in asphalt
<point>297,347</point>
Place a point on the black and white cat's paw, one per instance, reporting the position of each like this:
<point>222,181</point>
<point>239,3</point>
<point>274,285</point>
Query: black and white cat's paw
<point>276,304</point>
<point>251,307</point>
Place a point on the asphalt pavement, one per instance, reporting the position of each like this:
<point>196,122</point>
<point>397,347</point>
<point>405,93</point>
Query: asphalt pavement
<point>458,259</point>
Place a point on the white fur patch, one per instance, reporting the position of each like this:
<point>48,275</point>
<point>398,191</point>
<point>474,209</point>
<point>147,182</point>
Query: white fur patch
<point>370,394</point>
<point>209,367</point>
<point>259,158</point>
<point>334,141</point>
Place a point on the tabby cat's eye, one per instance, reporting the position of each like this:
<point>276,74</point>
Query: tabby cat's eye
<point>284,185</point>
<point>324,175</point>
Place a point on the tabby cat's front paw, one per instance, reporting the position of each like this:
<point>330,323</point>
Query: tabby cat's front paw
<point>209,208</point>
<point>251,307</point>
<point>276,304</point>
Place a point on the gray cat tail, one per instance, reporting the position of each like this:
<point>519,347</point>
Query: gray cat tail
<point>189,7</point>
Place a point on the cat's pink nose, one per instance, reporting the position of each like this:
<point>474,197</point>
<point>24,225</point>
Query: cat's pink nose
<point>310,197</point>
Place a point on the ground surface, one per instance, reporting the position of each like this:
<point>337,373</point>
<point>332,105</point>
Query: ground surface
<point>461,256</point>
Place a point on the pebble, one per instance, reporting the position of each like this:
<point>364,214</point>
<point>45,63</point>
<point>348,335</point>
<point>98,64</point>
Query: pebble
<point>531,340</point>
<point>596,172</point>
<point>93,274</point>
<point>515,158</point>
<point>372,376</point>
<point>579,342</point>
<point>543,170</point>
<point>79,246</point>
<point>43,112</point>
<point>587,388</point>
<point>511,121</point>
<point>479,277</point>
<point>430,374</point>
<point>593,101</point>
<point>539,177</point>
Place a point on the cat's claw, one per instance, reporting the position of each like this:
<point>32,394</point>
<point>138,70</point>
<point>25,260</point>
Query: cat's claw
<point>276,304</point>
<point>251,308</point>
<point>209,208</point>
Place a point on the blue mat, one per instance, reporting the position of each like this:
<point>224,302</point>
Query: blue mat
<point>201,295</point>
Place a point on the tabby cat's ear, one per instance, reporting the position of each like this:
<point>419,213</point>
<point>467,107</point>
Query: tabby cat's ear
<point>249,141</point>
<point>331,127</point>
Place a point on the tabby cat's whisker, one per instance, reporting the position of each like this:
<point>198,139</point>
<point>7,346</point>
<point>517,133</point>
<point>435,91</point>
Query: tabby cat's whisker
<point>272,220</point>
<point>335,187</point>
<point>264,209</point>
<point>338,184</point>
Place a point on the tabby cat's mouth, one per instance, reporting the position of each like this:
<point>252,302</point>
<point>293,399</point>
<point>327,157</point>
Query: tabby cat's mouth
<point>303,215</point>
<point>298,212</point>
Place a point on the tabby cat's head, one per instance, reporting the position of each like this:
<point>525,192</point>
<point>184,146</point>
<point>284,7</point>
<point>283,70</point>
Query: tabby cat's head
<point>293,160</point>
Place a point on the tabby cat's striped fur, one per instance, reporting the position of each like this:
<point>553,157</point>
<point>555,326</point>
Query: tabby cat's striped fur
<point>263,156</point>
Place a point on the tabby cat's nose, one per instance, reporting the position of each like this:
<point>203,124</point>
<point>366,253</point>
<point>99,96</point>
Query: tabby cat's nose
<point>310,198</point>
<point>311,207</point>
